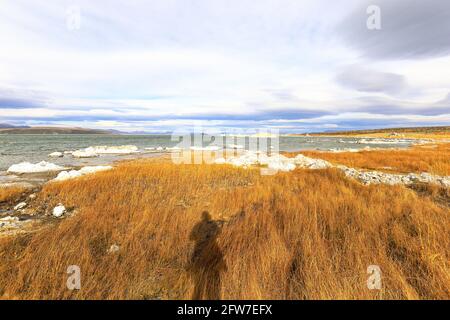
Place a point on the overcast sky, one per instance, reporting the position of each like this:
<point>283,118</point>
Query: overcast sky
<point>295,65</point>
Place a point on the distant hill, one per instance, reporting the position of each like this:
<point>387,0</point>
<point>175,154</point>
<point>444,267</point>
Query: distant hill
<point>8,129</point>
<point>441,129</point>
<point>6,125</point>
<point>438,133</point>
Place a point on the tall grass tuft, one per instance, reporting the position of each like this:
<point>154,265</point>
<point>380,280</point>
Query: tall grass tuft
<point>210,231</point>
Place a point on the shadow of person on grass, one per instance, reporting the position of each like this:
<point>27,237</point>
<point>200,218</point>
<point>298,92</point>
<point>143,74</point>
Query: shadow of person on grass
<point>206,263</point>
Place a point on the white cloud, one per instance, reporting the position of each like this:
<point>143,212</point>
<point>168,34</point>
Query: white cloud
<point>161,60</point>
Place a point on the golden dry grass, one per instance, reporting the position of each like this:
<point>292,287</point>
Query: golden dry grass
<point>434,159</point>
<point>437,133</point>
<point>10,193</point>
<point>409,135</point>
<point>406,135</point>
<point>297,235</point>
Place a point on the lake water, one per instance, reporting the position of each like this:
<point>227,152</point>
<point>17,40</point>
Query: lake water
<point>16,148</point>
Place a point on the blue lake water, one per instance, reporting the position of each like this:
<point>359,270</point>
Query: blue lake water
<point>16,148</point>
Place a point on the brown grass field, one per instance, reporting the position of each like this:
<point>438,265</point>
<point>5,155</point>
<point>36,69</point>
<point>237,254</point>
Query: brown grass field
<point>436,133</point>
<point>297,235</point>
<point>10,194</point>
<point>434,159</point>
<point>445,135</point>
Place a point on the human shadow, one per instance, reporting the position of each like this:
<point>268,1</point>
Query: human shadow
<point>206,263</point>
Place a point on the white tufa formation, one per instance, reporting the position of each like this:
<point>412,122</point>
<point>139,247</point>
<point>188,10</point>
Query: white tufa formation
<point>20,206</point>
<point>59,211</point>
<point>282,163</point>
<point>27,167</point>
<point>66,175</point>
<point>56,154</point>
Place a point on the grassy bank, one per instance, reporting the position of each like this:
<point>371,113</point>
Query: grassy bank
<point>297,235</point>
<point>433,159</point>
<point>11,194</point>
<point>436,133</point>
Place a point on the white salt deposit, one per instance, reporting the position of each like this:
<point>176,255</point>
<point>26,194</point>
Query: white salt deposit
<point>27,167</point>
<point>95,151</point>
<point>281,166</point>
<point>208,148</point>
<point>66,175</point>
<point>128,149</point>
<point>83,153</point>
<point>382,141</point>
<point>337,150</point>
<point>275,162</point>
<point>59,210</point>
<point>282,163</point>
<point>20,206</point>
<point>113,249</point>
<point>377,177</point>
<point>56,155</point>
<point>310,163</point>
<point>9,222</point>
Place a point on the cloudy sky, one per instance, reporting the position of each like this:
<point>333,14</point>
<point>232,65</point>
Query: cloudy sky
<point>294,65</point>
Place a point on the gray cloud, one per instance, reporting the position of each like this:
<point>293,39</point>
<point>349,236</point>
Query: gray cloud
<point>282,95</point>
<point>292,113</point>
<point>13,99</point>
<point>364,124</point>
<point>387,106</point>
<point>367,80</point>
<point>445,102</point>
<point>409,29</point>
<point>12,103</point>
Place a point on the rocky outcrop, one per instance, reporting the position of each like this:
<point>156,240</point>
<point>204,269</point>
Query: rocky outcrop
<point>10,226</point>
<point>282,163</point>
<point>84,154</point>
<point>95,151</point>
<point>56,155</point>
<point>275,162</point>
<point>311,163</point>
<point>377,177</point>
<point>59,211</point>
<point>20,206</point>
<point>27,167</point>
<point>66,175</point>
<point>9,222</point>
<point>113,249</point>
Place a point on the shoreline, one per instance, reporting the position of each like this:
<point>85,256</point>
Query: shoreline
<point>433,139</point>
<point>39,178</point>
<point>118,219</point>
<point>32,180</point>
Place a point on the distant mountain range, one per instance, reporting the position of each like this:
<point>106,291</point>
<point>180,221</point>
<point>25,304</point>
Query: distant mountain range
<point>11,129</point>
<point>431,129</point>
<point>6,125</point>
<point>7,128</point>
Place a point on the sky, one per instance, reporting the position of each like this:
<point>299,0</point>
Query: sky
<point>289,65</point>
